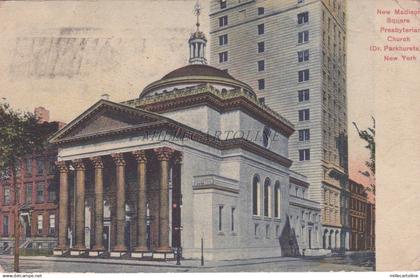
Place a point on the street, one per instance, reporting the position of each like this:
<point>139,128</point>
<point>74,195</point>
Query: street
<point>358,262</point>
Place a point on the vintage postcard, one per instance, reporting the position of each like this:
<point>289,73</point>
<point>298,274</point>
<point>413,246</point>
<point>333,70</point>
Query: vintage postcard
<point>209,136</point>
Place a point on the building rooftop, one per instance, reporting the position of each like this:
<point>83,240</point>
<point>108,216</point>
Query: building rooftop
<point>174,94</point>
<point>197,70</point>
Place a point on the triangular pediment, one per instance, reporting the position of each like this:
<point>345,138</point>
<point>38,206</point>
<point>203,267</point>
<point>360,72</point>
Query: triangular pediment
<point>104,118</point>
<point>103,122</point>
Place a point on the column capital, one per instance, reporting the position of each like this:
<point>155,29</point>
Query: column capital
<point>118,159</point>
<point>62,166</point>
<point>178,157</point>
<point>164,153</point>
<point>78,164</point>
<point>140,156</point>
<point>97,162</point>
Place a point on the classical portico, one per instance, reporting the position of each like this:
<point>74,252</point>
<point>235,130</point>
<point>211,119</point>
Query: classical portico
<point>152,199</point>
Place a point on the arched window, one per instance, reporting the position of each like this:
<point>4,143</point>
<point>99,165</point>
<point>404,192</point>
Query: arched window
<point>266,136</point>
<point>277,200</point>
<point>267,197</point>
<point>255,195</point>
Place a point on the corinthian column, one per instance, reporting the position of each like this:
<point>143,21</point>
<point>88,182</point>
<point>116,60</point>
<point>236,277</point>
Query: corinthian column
<point>120,172</point>
<point>80,205</point>
<point>163,155</point>
<point>142,197</point>
<point>99,203</point>
<point>63,206</point>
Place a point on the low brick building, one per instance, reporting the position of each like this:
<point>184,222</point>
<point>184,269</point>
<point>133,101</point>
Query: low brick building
<point>37,196</point>
<point>362,215</point>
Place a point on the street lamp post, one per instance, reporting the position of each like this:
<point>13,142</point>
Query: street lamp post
<point>178,248</point>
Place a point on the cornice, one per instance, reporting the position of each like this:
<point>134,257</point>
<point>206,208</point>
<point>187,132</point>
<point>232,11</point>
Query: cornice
<point>162,83</point>
<point>298,182</point>
<point>182,131</point>
<point>239,102</point>
<point>332,185</point>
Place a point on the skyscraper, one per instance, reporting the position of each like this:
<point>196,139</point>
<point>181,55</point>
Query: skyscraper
<point>293,54</point>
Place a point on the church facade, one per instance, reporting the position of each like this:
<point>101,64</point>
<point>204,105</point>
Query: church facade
<point>196,159</point>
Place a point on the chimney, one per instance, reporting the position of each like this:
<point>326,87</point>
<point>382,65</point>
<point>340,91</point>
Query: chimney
<point>105,96</point>
<point>42,114</point>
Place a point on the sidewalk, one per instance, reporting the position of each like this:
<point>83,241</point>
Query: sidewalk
<point>168,264</point>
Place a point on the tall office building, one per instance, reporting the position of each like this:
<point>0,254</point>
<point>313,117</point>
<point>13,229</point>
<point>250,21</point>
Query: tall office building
<point>293,53</point>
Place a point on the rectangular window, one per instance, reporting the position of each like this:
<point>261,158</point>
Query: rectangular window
<point>232,220</point>
<point>28,167</point>
<point>40,193</point>
<point>261,84</point>
<point>18,169</point>
<point>51,225</point>
<point>303,18</point>
<point>5,225</point>
<point>261,65</point>
<point>304,155</point>
<point>52,194</point>
<point>261,29</point>
<point>303,75</point>
<point>223,4</point>
<point>304,115</point>
<point>242,14</point>
<point>51,166</point>
<point>28,194</point>
<point>303,36</point>
<point>261,47</point>
<point>256,230</point>
<point>223,21</point>
<point>40,167</point>
<point>220,217</point>
<point>303,56</point>
<point>4,173</point>
<point>304,135</point>
<point>303,95</point>
<point>261,10</point>
<point>40,223</point>
<point>6,195</point>
<point>223,57</point>
<point>223,39</point>
<point>267,231</point>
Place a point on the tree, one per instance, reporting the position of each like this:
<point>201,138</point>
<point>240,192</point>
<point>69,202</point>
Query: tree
<point>20,134</point>
<point>368,136</point>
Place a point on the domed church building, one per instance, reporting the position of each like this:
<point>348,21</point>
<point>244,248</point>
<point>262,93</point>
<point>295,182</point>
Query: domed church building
<point>195,161</point>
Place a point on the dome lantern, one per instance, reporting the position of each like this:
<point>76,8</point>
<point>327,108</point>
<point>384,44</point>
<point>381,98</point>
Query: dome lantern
<point>197,41</point>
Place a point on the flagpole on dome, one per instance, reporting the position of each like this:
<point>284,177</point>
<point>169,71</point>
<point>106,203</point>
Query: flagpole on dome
<point>197,11</point>
<point>197,41</point>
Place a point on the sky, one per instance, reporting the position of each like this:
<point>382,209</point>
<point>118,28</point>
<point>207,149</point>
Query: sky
<point>63,55</point>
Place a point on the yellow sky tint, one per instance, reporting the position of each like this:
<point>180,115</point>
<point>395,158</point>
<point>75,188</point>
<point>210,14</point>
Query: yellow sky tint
<point>137,43</point>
